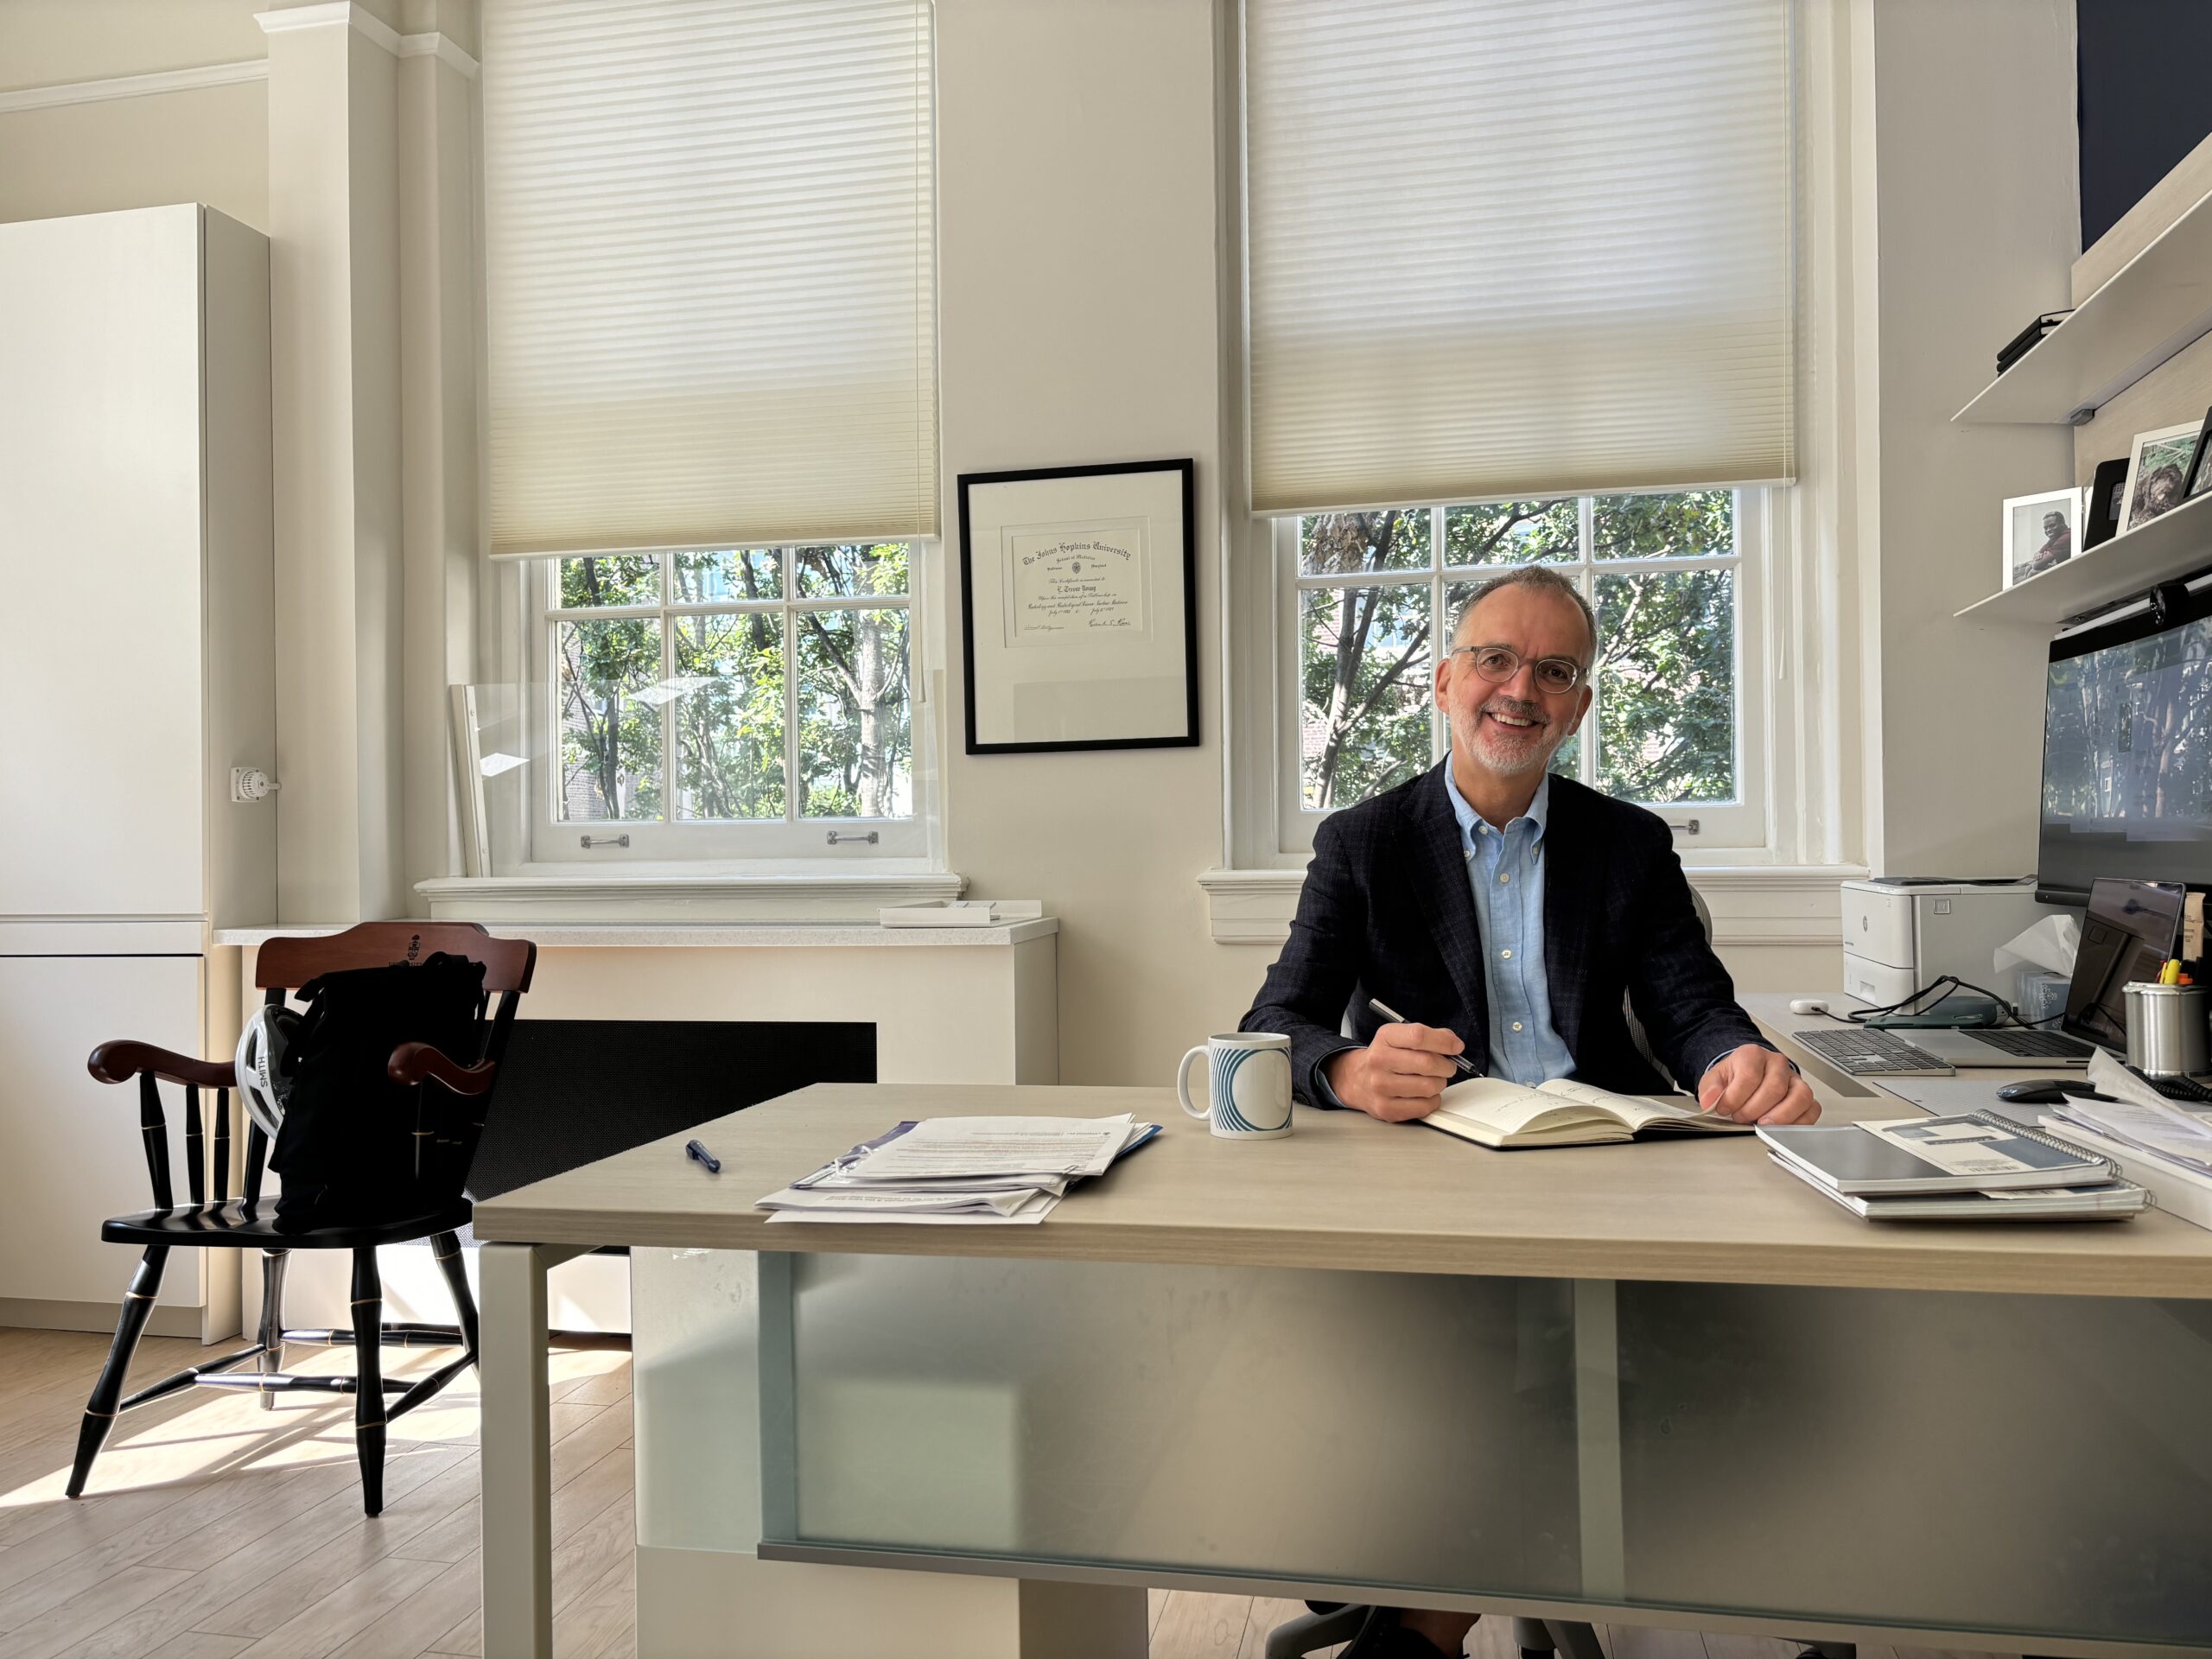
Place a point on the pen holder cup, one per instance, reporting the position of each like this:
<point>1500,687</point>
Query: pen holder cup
<point>1250,1074</point>
<point>2167,1033</point>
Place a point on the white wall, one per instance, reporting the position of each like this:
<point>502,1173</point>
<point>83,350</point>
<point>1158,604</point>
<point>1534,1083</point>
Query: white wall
<point>1979,222</point>
<point>206,144</point>
<point>1077,243</point>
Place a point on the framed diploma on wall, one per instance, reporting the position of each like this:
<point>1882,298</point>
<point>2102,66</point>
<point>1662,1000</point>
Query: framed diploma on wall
<point>1078,626</point>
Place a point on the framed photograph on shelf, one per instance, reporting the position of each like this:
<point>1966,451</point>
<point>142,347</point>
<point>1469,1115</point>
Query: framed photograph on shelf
<point>1077,609</point>
<point>2157,472</point>
<point>2107,498</point>
<point>2041,533</point>
<point>2200,476</point>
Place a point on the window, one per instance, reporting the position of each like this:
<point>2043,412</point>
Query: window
<point>1493,248</point>
<point>710,395</point>
<point>1670,576</point>
<point>735,701</point>
<point>710,274</point>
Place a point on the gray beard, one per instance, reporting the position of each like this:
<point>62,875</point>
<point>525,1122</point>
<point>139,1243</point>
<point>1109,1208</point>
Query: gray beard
<point>1536,754</point>
<point>1512,767</point>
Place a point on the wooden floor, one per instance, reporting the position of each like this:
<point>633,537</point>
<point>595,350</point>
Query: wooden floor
<point>213,1529</point>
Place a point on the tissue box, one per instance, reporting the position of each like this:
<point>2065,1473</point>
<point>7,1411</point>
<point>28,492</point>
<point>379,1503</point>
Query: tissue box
<point>2039,994</point>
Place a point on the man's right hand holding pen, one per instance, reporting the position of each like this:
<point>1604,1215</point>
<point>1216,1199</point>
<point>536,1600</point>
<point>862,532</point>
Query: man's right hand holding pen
<point>1399,1076</point>
<point>1402,1074</point>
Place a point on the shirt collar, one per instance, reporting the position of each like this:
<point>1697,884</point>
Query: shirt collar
<point>1472,823</point>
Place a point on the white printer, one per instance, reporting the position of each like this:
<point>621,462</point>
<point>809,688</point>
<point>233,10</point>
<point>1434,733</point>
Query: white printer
<point>1898,937</point>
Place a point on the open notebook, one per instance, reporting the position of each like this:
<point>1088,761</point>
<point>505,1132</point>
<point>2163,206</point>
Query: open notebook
<point>1562,1113</point>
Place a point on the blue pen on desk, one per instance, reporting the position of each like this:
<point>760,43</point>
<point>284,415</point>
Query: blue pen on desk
<point>694,1149</point>
<point>1466,1066</point>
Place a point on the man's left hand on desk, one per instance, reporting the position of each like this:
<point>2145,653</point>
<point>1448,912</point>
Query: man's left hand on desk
<point>1756,1085</point>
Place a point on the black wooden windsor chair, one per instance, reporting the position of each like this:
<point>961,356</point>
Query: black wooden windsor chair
<point>214,1220</point>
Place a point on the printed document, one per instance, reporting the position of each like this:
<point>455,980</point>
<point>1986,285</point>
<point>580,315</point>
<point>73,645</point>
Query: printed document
<point>955,1148</point>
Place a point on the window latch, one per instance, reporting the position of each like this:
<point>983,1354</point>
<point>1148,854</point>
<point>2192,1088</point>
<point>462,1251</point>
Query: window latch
<point>1688,826</point>
<point>622,840</point>
<point>834,838</point>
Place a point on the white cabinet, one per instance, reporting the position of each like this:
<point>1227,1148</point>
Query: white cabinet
<point>136,668</point>
<point>136,554</point>
<point>70,1151</point>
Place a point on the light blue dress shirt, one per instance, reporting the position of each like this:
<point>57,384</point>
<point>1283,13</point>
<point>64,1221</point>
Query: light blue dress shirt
<point>1505,870</point>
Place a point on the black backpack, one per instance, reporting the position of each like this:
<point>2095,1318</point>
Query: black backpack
<point>355,1148</point>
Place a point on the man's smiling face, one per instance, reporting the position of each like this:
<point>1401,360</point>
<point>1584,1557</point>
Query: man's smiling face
<point>1516,726</point>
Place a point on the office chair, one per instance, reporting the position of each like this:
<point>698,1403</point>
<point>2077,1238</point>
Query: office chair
<point>218,1221</point>
<point>1330,1623</point>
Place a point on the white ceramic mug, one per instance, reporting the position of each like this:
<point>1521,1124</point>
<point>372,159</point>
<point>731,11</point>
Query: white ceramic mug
<point>1250,1074</point>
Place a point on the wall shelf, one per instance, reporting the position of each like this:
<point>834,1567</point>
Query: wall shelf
<point>2154,306</point>
<point>2174,545</point>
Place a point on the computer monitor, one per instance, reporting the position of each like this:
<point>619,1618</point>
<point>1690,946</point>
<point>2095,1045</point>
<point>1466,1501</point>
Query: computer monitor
<point>2131,929</point>
<point>2127,754</point>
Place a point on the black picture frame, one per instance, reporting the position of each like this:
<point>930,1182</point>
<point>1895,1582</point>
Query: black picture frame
<point>2200,476</point>
<point>2100,519</point>
<point>967,484</point>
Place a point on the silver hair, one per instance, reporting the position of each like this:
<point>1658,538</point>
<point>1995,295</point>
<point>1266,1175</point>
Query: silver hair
<point>1544,580</point>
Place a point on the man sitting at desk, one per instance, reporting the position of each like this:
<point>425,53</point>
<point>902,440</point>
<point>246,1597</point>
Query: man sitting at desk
<point>1504,911</point>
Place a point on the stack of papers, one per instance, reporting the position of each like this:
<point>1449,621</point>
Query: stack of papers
<point>961,1171</point>
<point>2141,1118</point>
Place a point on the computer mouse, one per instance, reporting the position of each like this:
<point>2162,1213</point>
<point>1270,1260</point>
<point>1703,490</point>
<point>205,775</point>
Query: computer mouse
<point>2046,1091</point>
<point>1807,1005</point>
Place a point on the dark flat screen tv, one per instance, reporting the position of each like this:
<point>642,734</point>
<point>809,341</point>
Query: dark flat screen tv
<point>2127,754</point>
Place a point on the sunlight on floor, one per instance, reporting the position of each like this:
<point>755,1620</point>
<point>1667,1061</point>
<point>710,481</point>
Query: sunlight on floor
<point>226,1432</point>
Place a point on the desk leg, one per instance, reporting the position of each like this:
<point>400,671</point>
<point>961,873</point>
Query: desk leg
<point>515,1450</point>
<point>1598,1441</point>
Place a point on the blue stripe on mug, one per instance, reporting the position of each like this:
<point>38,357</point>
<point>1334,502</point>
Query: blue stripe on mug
<point>1226,1064</point>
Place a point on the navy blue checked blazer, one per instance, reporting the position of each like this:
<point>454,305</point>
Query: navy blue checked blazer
<point>1387,913</point>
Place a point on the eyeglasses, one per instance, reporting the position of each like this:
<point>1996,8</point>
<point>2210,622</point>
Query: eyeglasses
<point>1498,664</point>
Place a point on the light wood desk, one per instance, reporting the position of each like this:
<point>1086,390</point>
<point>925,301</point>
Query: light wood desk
<point>1344,1202</point>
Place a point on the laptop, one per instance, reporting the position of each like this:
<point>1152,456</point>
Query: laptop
<point>2132,929</point>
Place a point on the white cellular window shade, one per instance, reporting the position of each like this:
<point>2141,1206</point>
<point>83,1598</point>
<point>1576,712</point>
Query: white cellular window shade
<point>1508,247</point>
<point>711,309</point>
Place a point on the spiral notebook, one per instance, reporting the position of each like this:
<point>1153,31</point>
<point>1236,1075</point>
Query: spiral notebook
<point>2105,1201</point>
<point>1973,1152</point>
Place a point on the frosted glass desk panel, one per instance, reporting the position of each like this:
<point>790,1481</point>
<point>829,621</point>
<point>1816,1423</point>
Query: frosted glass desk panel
<point>694,1322</point>
<point>1998,1463</point>
<point>1945,1461</point>
<point>1243,1420</point>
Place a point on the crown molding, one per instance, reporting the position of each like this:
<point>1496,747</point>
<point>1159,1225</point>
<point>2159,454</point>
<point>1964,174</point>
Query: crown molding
<point>163,80</point>
<point>330,15</point>
<point>441,48</point>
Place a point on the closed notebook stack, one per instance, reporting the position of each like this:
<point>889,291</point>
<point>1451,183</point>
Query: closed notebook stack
<point>1972,1166</point>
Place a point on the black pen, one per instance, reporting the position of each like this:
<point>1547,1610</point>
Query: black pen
<point>1466,1066</point>
<point>693,1149</point>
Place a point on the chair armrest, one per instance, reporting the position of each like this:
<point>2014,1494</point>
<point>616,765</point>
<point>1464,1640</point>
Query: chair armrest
<point>119,1062</point>
<point>413,1062</point>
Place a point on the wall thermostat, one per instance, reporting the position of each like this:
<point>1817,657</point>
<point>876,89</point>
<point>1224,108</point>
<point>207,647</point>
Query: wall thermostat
<point>249,785</point>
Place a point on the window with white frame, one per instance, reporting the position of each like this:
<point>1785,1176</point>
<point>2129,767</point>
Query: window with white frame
<point>727,702</point>
<point>1671,577</point>
<point>711,422</point>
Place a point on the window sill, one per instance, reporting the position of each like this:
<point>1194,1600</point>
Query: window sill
<point>1775,904</point>
<point>648,892</point>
